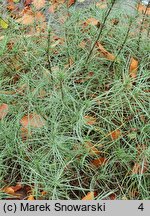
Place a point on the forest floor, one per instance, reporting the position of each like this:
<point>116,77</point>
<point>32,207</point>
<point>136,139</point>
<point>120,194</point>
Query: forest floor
<point>74,101</point>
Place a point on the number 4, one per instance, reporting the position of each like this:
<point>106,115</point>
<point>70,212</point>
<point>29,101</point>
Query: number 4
<point>141,207</point>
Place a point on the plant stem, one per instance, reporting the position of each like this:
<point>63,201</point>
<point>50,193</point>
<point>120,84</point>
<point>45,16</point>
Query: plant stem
<point>141,27</point>
<point>100,31</point>
<point>122,45</point>
<point>48,52</point>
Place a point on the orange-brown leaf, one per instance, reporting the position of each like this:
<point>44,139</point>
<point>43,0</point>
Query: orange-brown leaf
<point>92,21</point>
<point>27,2</point>
<point>142,8</point>
<point>31,197</point>
<point>38,4</point>
<point>17,187</point>
<point>105,53</point>
<point>101,5</point>
<point>32,120</point>
<point>12,189</point>
<point>133,67</point>
<point>70,2</point>
<point>99,161</point>
<point>89,196</point>
<point>140,168</point>
<point>25,133</point>
<point>115,134</point>
<point>26,19</point>
<point>3,110</point>
<point>9,190</point>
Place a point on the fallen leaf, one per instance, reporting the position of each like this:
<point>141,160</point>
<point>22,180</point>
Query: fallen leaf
<point>99,161</point>
<point>92,150</point>
<point>3,110</point>
<point>89,120</point>
<point>31,197</point>
<point>140,168</point>
<point>3,23</point>
<point>142,8</point>
<point>32,120</point>
<point>115,134</point>
<point>92,21</point>
<point>9,190</point>
<point>12,189</point>
<point>29,18</point>
<point>101,5</point>
<point>28,2</point>
<point>10,5</point>
<point>38,4</point>
<point>89,196</point>
<point>17,187</point>
<point>133,67</point>
<point>70,3</point>
<point>105,53</point>
<point>82,44</point>
<point>25,133</point>
<point>52,9</point>
<point>43,193</point>
<point>26,19</point>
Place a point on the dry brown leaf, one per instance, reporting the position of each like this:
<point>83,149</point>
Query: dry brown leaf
<point>70,3</point>
<point>43,193</point>
<point>82,44</point>
<point>115,134</point>
<point>31,197</point>
<point>28,2</point>
<point>89,196</point>
<point>32,120</point>
<point>52,8</point>
<point>142,8</point>
<point>38,4</point>
<point>10,5</point>
<point>133,67</point>
<point>99,161</point>
<point>101,5</point>
<point>12,189</point>
<point>17,187</point>
<point>25,133</point>
<point>105,53</point>
<point>92,21</point>
<point>140,168</point>
<point>29,18</point>
<point>9,190</point>
<point>26,19</point>
<point>3,110</point>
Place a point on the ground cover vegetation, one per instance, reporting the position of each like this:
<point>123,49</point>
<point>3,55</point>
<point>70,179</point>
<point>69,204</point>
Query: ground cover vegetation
<point>74,101</point>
